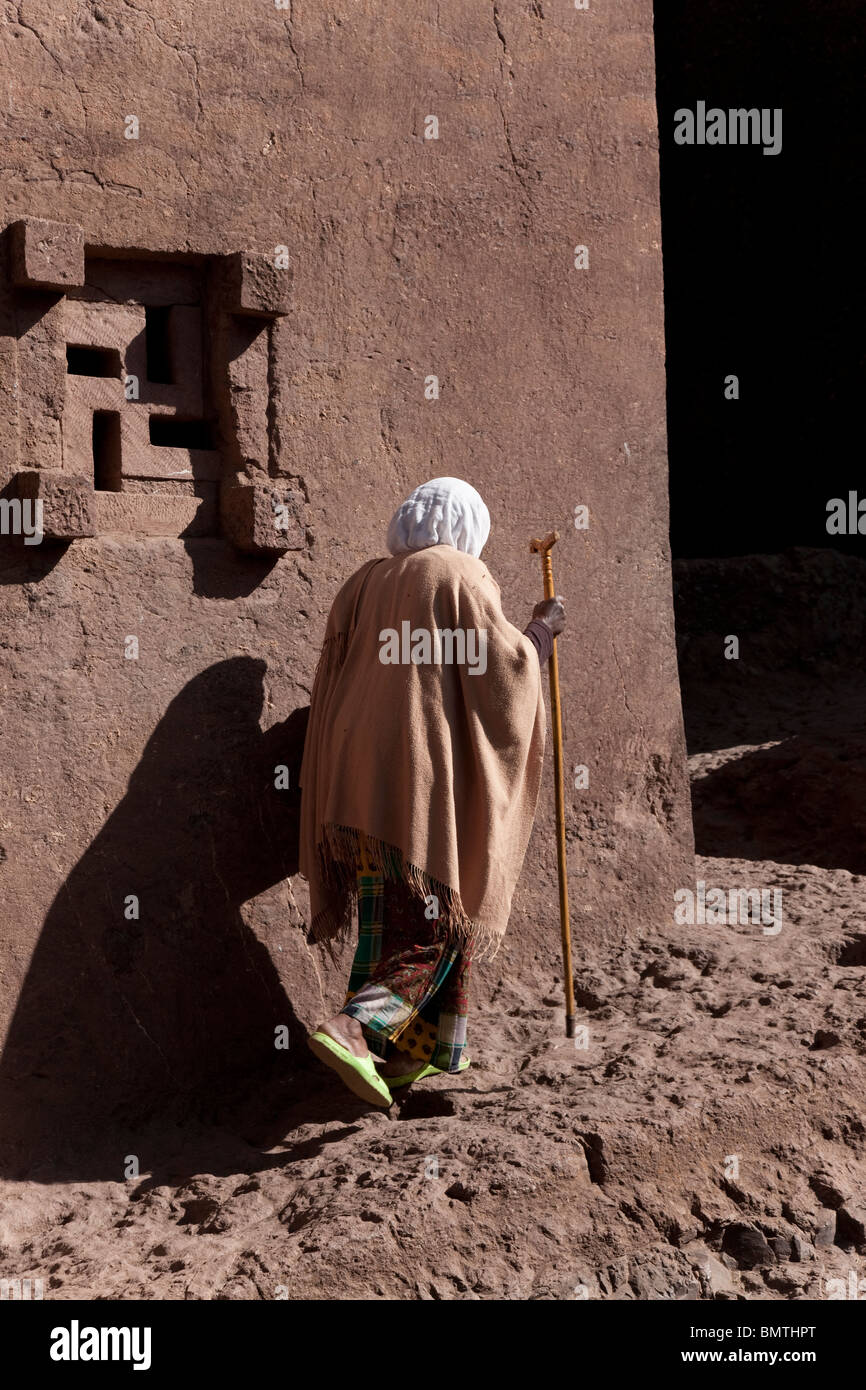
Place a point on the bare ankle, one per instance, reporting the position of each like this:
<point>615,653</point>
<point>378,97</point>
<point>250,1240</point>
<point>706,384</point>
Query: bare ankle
<point>349,1031</point>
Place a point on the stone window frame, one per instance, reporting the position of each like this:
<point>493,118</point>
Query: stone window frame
<point>244,294</point>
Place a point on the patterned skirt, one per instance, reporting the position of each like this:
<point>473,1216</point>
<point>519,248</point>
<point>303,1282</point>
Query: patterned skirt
<point>409,985</point>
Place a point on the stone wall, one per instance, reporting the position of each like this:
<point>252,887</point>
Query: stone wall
<point>302,379</point>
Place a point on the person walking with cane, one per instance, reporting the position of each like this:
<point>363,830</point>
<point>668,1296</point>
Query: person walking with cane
<point>419,784</point>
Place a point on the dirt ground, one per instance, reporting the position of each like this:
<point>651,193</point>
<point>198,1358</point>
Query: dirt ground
<point>545,1171</point>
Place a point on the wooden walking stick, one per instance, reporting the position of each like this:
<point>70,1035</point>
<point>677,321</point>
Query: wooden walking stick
<point>543,548</point>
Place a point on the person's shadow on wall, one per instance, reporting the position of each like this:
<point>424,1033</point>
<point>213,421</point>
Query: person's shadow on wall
<point>147,994</point>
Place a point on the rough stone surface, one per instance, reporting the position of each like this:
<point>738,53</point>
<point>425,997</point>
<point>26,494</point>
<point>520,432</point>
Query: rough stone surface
<point>47,255</point>
<point>263,519</point>
<point>67,499</point>
<point>255,285</point>
<point>150,776</point>
<point>144,515</point>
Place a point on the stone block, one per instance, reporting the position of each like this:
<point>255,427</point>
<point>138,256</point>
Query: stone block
<point>156,514</point>
<point>248,393</point>
<point>262,518</point>
<point>255,285</point>
<point>142,460</point>
<point>47,255</point>
<point>67,502</point>
<point>41,383</point>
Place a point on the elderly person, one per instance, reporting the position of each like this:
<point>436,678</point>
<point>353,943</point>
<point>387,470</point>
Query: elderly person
<point>419,784</point>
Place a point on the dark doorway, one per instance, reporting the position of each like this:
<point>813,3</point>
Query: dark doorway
<point>763,283</point>
<point>763,278</point>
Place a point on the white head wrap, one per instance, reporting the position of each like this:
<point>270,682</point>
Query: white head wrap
<point>445,511</point>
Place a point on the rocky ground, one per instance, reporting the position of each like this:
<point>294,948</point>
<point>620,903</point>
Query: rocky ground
<point>705,1141</point>
<point>546,1171</point>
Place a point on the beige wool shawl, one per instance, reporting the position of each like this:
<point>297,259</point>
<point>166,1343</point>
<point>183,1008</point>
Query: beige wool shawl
<point>434,769</point>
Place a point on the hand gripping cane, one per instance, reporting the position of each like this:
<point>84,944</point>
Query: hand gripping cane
<point>543,548</point>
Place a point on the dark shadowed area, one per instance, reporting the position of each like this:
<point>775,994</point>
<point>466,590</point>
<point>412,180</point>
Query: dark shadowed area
<point>147,993</point>
<point>763,274</point>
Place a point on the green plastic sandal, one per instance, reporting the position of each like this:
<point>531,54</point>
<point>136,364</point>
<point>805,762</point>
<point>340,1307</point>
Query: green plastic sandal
<point>426,1069</point>
<point>358,1073</point>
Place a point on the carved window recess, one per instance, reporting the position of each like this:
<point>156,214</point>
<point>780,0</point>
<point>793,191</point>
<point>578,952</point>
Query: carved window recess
<point>143,391</point>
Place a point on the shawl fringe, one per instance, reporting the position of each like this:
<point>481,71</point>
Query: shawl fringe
<point>341,853</point>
